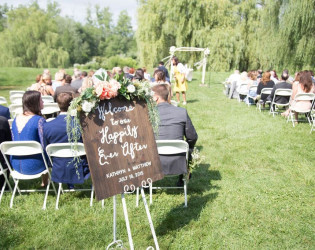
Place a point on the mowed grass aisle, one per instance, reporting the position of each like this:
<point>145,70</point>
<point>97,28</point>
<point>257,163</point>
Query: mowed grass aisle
<point>255,189</point>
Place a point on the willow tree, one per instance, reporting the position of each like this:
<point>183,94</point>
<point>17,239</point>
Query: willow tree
<point>214,24</point>
<point>29,32</point>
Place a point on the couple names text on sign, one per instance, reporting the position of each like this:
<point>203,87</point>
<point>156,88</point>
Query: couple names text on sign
<point>120,147</point>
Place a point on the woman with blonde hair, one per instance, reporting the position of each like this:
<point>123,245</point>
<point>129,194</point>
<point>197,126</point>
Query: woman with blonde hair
<point>43,86</point>
<point>180,80</point>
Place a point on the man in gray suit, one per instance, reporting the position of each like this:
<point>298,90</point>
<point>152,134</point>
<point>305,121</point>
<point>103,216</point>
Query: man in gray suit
<point>175,124</point>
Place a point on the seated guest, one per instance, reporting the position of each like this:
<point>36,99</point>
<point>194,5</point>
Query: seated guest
<point>273,76</point>
<point>28,126</point>
<point>252,82</point>
<point>126,73</point>
<point>55,131</point>
<point>162,67</point>
<point>175,124</point>
<point>305,85</point>
<point>230,90</point>
<point>4,111</point>
<point>5,135</point>
<point>159,78</point>
<point>146,74</point>
<point>265,82</point>
<point>283,84</point>
<point>77,83</point>
<point>66,87</point>
<point>139,75</point>
<point>44,86</point>
<point>59,76</point>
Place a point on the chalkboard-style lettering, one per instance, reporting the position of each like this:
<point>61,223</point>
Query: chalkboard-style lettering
<point>103,157</point>
<point>116,173</point>
<point>130,148</point>
<point>108,138</point>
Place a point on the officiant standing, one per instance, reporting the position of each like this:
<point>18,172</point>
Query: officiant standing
<point>180,80</point>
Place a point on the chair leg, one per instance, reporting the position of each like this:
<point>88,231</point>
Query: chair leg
<point>185,191</point>
<point>2,190</point>
<point>137,197</point>
<point>103,203</point>
<point>92,196</point>
<point>150,187</point>
<point>7,181</point>
<point>13,193</point>
<point>58,195</point>
<point>46,195</point>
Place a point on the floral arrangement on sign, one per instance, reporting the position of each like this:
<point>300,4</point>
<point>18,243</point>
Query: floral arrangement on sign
<point>104,88</point>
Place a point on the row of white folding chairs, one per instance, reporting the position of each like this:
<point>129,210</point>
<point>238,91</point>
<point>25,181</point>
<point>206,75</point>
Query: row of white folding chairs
<point>28,148</point>
<point>275,106</point>
<point>17,99</point>
<point>49,108</point>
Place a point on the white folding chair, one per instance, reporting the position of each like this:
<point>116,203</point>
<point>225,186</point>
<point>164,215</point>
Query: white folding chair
<point>242,91</point>
<point>25,148</point>
<point>47,99</point>
<point>50,108</point>
<point>265,91</point>
<point>16,98</point>
<point>6,181</point>
<point>15,109</point>
<point>3,101</point>
<point>67,150</point>
<point>14,92</point>
<point>274,106</point>
<point>301,97</point>
<point>171,147</point>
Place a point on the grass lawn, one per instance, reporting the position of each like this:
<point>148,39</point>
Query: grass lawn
<point>255,189</point>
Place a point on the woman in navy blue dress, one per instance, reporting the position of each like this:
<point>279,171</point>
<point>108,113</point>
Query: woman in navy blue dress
<point>29,127</point>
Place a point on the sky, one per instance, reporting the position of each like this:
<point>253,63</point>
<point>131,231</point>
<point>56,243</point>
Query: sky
<point>76,9</point>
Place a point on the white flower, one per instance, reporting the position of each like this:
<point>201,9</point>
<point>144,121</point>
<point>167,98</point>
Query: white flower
<point>73,112</point>
<point>152,93</point>
<point>87,106</point>
<point>131,88</point>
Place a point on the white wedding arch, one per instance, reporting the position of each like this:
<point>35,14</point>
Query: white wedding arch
<point>202,63</point>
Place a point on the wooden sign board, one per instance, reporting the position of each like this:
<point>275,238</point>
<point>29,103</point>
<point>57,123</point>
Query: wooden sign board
<point>120,147</point>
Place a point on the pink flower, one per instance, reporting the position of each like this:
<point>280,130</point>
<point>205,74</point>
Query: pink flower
<point>107,90</point>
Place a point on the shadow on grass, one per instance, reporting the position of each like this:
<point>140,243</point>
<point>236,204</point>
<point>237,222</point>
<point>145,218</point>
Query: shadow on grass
<point>192,101</point>
<point>178,217</point>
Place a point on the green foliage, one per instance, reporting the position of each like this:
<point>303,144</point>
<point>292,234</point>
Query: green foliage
<point>33,37</point>
<point>240,34</point>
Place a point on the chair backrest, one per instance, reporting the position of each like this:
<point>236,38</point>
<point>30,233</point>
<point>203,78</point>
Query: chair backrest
<point>171,147</point>
<point>50,108</point>
<point>304,97</point>
<point>21,148</point>
<point>266,91</point>
<point>3,101</point>
<point>47,99</point>
<point>13,92</point>
<point>283,92</point>
<point>253,88</point>
<point>15,109</point>
<point>65,150</point>
<point>16,98</point>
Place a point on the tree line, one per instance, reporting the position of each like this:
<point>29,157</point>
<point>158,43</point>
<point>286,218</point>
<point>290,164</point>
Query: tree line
<point>241,34</point>
<point>35,37</point>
